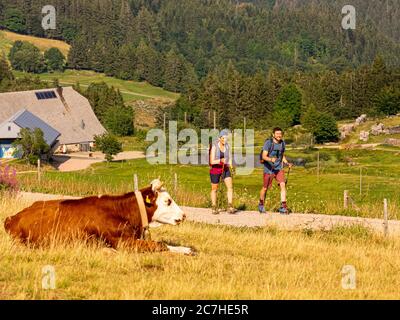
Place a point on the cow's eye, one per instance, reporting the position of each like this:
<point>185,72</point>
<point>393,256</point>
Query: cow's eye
<point>168,202</point>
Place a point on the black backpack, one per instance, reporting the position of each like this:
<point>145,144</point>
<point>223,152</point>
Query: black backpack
<point>271,148</point>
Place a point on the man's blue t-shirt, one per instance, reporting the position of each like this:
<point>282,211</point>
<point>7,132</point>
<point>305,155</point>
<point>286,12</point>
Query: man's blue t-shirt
<point>276,152</point>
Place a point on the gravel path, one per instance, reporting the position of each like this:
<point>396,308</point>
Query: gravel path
<point>294,221</point>
<point>81,160</point>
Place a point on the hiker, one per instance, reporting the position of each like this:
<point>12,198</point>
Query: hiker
<point>220,169</point>
<point>273,158</point>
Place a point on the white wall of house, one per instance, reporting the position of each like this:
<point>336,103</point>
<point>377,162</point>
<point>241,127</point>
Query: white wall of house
<point>9,130</point>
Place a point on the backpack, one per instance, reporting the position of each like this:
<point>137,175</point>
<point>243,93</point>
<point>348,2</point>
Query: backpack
<point>271,148</point>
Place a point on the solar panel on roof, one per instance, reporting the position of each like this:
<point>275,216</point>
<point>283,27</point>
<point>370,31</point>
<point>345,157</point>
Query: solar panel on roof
<point>45,95</point>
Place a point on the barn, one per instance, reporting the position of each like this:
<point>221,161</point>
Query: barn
<point>63,114</point>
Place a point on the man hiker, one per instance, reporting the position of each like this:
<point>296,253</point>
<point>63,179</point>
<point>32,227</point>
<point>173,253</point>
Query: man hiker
<point>273,158</point>
<point>220,170</point>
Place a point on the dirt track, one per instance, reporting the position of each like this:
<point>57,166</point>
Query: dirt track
<point>81,160</point>
<point>294,221</point>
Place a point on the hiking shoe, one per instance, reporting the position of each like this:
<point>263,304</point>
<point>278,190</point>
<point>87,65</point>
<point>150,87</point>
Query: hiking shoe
<point>231,209</point>
<point>214,210</point>
<point>261,208</point>
<point>283,210</point>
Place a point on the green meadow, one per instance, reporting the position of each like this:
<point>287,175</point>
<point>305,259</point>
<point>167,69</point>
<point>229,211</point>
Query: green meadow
<point>131,90</point>
<point>310,190</point>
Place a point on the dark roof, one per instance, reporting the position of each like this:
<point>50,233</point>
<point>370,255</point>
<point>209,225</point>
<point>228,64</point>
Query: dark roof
<point>26,119</point>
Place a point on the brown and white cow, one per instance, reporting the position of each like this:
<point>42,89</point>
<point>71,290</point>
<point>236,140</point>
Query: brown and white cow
<point>113,219</point>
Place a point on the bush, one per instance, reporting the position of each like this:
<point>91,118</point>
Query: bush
<point>8,179</point>
<point>141,134</point>
<point>108,144</point>
<point>31,144</point>
<point>32,159</point>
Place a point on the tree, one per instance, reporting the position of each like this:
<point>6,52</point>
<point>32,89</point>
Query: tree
<point>179,74</point>
<point>55,60</point>
<point>310,119</point>
<point>108,144</point>
<point>288,104</point>
<point>31,144</point>
<point>14,20</point>
<point>78,54</point>
<point>387,102</point>
<point>25,56</point>
<point>327,130</point>
<point>119,120</point>
<point>5,72</point>
<point>149,64</point>
<point>126,63</point>
<point>102,98</point>
<point>321,125</point>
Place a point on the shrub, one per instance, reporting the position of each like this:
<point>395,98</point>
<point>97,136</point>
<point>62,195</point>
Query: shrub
<point>8,179</point>
<point>31,144</point>
<point>108,144</point>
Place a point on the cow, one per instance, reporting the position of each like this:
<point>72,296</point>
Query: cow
<point>116,220</point>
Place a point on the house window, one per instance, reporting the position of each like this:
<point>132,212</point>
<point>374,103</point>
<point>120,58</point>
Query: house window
<point>83,124</point>
<point>9,128</point>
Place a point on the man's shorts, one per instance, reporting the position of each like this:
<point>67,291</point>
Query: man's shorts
<point>215,178</point>
<point>268,178</point>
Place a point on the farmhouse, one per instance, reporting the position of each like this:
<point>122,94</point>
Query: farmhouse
<point>64,115</point>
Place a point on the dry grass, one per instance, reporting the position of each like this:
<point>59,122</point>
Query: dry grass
<point>42,43</point>
<point>232,263</point>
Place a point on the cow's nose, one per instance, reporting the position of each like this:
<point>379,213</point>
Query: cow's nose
<point>184,217</point>
<point>178,221</point>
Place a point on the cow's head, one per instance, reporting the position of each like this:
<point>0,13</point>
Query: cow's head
<point>167,211</point>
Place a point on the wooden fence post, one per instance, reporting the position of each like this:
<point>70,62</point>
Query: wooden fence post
<point>175,183</point>
<point>215,120</point>
<point>385,217</point>
<point>38,170</point>
<point>135,182</point>
<point>346,199</point>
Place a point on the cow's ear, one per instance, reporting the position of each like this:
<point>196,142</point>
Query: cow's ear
<point>149,198</point>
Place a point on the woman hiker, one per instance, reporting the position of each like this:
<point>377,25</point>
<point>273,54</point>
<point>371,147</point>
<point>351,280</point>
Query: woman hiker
<point>220,169</point>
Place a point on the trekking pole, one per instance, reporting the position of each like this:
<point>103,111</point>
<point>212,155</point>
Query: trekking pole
<point>287,177</point>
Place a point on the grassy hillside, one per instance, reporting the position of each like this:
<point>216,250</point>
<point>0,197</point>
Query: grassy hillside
<point>131,90</point>
<point>8,38</point>
<point>232,263</point>
<point>366,126</point>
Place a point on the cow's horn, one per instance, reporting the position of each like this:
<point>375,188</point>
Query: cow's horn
<point>157,185</point>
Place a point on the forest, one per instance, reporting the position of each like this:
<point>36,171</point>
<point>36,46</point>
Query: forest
<point>274,59</point>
